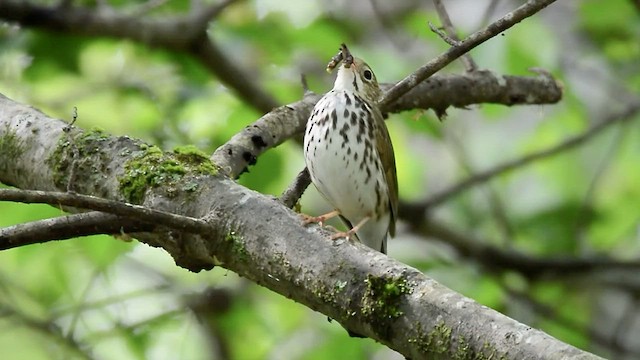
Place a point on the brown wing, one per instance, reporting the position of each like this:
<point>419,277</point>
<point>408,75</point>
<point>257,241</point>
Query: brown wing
<point>385,150</point>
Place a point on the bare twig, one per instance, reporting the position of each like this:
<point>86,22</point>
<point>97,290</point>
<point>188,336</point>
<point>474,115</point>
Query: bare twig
<point>488,12</point>
<point>466,59</point>
<point>186,34</point>
<point>48,328</point>
<point>291,195</point>
<point>531,267</point>
<point>552,312</point>
<point>496,205</point>
<point>67,227</point>
<point>136,212</point>
<point>304,83</point>
<point>585,215</point>
<point>487,175</point>
<point>529,8</point>
<point>443,35</point>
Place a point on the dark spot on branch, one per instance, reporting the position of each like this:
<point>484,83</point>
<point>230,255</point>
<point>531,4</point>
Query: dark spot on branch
<point>249,158</point>
<point>258,141</point>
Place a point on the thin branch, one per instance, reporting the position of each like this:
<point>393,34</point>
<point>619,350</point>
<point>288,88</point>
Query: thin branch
<point>496,205</point>
<point>487,175</point>
<point>466,59</point>
<point>48,328</point>
<point>186,34</point>
<point>293,193</point>
<point>584,215</point>
<point>551,312</point>
<point>90,305</point>
<point>529,8</point>
<point>488,12</point>
<point>498,259</point>
<point>136,212</point>
<point>443,35</point>
<point>67,227</point>
<point>102,335</point>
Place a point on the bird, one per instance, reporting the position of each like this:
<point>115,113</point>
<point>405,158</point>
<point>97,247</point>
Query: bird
<point>349,155</point>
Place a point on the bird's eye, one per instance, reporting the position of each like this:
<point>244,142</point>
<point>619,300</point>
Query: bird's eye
<point>368,74</point>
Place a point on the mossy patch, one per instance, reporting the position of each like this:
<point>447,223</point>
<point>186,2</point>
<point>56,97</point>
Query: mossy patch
<point>152,168</point>
<point>10,144</point>
<point>75,150</point>
<point>382,301</point>
<point>328,294</point>
<point>439,343</point>
<point>237,246</point>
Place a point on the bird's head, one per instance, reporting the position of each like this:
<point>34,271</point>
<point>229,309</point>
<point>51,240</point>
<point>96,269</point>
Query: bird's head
<point>355,75</point>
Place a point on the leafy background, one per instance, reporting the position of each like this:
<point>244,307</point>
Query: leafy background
<point>99,297</point>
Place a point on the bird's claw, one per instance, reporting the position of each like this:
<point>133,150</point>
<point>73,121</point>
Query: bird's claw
<point>307,219</point>
<point>343,235</point>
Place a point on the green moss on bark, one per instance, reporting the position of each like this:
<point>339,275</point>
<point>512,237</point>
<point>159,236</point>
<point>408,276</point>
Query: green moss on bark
<point>440,343</point>
<point>10,145</point>
<point>152,168</point>
<point>82,151</point>
<point>382,300</point>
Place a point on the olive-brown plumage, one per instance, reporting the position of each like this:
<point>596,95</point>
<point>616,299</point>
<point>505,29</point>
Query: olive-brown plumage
<point>349,154</point>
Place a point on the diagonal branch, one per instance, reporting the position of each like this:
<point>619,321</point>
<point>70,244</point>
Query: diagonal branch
<point>466,59</point>
<point>260,239</point>
<point>484,176</point>
<point>529,8</point>
<point>531,267</point>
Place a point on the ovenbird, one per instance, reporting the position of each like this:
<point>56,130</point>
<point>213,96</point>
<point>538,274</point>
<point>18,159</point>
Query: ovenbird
<point>348,152</point>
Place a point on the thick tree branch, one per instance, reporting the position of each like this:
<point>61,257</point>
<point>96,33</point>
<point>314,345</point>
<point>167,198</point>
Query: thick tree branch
<point>260,239</point>
<point>187,34</point>
<point>271,130</point>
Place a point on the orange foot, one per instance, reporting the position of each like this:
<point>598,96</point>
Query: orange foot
<point>347,234</point>
<point>306,219</point>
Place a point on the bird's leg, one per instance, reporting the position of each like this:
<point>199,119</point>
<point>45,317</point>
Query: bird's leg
<point>306,219</point>
<point>347,234</point>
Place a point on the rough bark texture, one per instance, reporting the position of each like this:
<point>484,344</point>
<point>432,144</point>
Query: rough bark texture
<point>257,237</point>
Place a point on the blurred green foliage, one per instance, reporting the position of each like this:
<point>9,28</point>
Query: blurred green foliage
<point>122,300</point>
